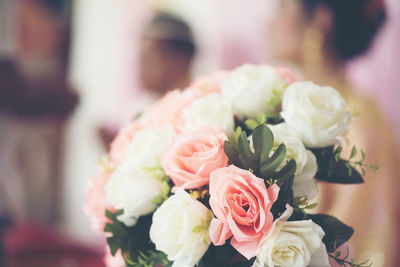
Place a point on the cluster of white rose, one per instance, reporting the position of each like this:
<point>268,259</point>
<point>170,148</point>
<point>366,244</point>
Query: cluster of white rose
<point>313,116</point>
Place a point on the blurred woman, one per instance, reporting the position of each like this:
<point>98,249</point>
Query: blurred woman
<point>320,37</point>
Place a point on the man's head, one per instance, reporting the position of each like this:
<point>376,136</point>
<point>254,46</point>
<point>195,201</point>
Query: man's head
<point>167,51</point>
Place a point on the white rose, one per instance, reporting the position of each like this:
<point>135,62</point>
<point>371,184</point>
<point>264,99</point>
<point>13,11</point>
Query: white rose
<point>249,89</point>
<point>172,229</point>
<point>149,144</point>
<point>132,187</point>
<point>209,110</point>
<point>304,183</point>
<point>293,243</point>
<point>317,114</point>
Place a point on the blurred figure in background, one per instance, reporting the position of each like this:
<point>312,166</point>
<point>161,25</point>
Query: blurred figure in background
<point>35,102</point>
<point>320,37</point>
<point>167,50</point>
<point>166,54</point>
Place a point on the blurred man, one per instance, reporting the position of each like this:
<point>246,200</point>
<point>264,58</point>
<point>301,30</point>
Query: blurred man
<point>167,50</point>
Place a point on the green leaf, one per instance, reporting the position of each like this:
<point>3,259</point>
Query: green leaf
<point>312,206</point>
<point>114,244</point>
<point>344,174</point>
<point>149,259</point>
<point>236,134</point>
<point>245,154</point>
<point>205,239</point>
<point>112,215</point>
<point>251,124</point>
<point>260,162</point>
<point>165,189</point>
<point>332,170</point>
<point>363,172</point>
<point>134,242</point>
<point>353,152</point>
<point>210,216</point>
<point>157,200</point>
<point>336,232</point>
<point>267,169</point>
<point>285,197</point>
<point>337,157</point>
<point>223,256</point>
<point>150,169</point>
<point>261,118</point>
<point>287,171</point>
<point>232,154</point>
<point>263,141</point>
<point>338,150</point>
<point>362,156</point>
<point>198,229</point>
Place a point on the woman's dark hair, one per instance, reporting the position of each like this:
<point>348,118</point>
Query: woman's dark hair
<point>355,23</point>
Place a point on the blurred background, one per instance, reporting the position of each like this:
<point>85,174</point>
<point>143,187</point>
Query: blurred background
<point>73,72</point>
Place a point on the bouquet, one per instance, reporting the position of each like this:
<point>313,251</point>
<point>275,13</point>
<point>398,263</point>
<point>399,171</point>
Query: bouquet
<point>224,173</point>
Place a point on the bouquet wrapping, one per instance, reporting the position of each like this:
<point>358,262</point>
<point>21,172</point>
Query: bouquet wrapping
<point>224,173</point>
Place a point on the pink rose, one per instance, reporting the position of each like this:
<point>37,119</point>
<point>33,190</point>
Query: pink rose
<point>121,142</point>
<point>193,156</point>
<point>287,73</point>
<point>242,204</point>
<point>96,203</point>
<point>169,108</point>
<point>211,83</point>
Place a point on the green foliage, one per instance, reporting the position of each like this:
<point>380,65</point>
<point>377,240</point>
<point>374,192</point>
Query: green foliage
<point>149,259</point>
<point>353,164</point>
<point>224,256</point>
<point>132,241</point>
<point>165,193</point>
<point>263,118</point>
<point>285,197</point>
<point>336,232</point>
<point>204,225</point>
<point>333,169</point>
<point>236,135</point>
<point>262,162</point>
<point>251,124</point>
<point>273,116</point>
<point>345,261</point>
<point>302,203</point>
<point>158,173</point>
<point>118,229</point>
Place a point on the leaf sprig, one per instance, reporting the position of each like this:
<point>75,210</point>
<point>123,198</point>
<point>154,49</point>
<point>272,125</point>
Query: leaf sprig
<point>345,261</point>
<point>354,164</point>
<point>333,169</point>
